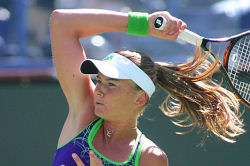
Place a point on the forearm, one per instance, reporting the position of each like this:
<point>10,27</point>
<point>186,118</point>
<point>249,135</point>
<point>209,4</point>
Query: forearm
<point>87,22</point>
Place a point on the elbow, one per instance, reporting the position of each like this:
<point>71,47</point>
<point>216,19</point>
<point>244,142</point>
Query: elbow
<point>56,14</point>
<point>56,18</point>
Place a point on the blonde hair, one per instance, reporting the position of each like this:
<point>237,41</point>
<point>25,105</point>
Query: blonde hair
<point>192,93</point>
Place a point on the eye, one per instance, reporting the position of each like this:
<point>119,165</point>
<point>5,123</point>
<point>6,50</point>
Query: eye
<point>98,81</point>
<point>111,84</point>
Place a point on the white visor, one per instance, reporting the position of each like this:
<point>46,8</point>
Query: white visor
<point>118,67</point>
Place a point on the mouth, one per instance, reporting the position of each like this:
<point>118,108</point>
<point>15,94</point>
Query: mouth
<point>98,103</point>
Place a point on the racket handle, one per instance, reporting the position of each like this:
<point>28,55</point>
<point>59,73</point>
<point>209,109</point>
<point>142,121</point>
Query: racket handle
<point>185,35</point>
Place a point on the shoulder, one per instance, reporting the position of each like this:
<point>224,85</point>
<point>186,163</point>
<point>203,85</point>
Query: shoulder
<point>151,154</point>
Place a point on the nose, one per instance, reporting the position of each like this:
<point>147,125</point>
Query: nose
<point>99,90</point>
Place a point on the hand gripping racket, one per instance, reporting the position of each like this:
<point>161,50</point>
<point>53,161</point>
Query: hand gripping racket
<point>236,62</point>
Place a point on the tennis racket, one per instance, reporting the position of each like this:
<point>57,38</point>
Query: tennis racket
<point>236,61</point>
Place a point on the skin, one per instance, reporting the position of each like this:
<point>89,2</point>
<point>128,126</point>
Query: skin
<point>94,161</point>
<point>119,104</point>
<point>110,94</point>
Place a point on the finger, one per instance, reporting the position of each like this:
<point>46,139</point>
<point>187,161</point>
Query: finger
<point>77,160</point>
<point>176,28</point>
<point>175,35</point>
<point>99,162</point>
<point>169,27</point>
<point>94,161</point>
<point>183,26</point>
<point>179,23</point>
<point>92,158</point>
<point>172,26</point>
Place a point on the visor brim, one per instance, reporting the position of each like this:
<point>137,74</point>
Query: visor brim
<point>92,66</point>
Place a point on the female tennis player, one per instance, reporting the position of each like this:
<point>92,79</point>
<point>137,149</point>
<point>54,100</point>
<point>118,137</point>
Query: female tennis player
<point>101,126</point>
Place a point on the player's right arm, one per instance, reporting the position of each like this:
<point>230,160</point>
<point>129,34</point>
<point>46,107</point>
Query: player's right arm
<point>66,28</point>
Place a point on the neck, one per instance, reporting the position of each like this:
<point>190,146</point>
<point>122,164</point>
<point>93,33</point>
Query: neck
<point>118,131</point>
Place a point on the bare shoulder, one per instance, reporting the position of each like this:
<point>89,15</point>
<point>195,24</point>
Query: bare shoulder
<point>152,155</point>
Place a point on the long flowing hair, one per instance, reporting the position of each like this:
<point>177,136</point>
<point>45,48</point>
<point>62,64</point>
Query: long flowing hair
<point>193,95</point>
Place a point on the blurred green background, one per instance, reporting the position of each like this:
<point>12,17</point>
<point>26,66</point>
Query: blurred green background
<point>33,107</point>
<point>33,112</point>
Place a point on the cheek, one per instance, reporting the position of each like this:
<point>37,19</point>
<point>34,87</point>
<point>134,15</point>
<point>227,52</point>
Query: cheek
<point>118,99</point>
<point>123,99</point>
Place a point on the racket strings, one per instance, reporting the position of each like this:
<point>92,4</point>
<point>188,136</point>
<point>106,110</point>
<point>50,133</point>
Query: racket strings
<point>239,66</point>
<point>243,50</point>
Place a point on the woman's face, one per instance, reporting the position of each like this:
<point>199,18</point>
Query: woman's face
<point>114,98</point>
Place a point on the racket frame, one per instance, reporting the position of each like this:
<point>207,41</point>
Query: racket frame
<point>197,40</point>
<point>224,67</point>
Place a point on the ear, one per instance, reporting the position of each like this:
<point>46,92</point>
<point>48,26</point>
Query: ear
<point>141,99</point>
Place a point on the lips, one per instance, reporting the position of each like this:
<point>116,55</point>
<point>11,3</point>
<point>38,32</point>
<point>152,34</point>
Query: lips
<point>99,103</point>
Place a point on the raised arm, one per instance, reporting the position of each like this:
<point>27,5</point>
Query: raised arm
<point>66,28</point>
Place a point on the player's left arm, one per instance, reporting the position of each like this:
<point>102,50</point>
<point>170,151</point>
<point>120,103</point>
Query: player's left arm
<point>152,155</point>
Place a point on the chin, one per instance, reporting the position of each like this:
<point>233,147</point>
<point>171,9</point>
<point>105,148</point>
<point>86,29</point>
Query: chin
<point>99,112</point>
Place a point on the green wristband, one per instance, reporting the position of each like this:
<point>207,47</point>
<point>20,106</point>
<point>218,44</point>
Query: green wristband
<point>137,24</point>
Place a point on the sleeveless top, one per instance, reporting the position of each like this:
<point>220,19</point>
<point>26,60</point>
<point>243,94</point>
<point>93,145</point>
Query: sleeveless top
<point>82,143</point>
